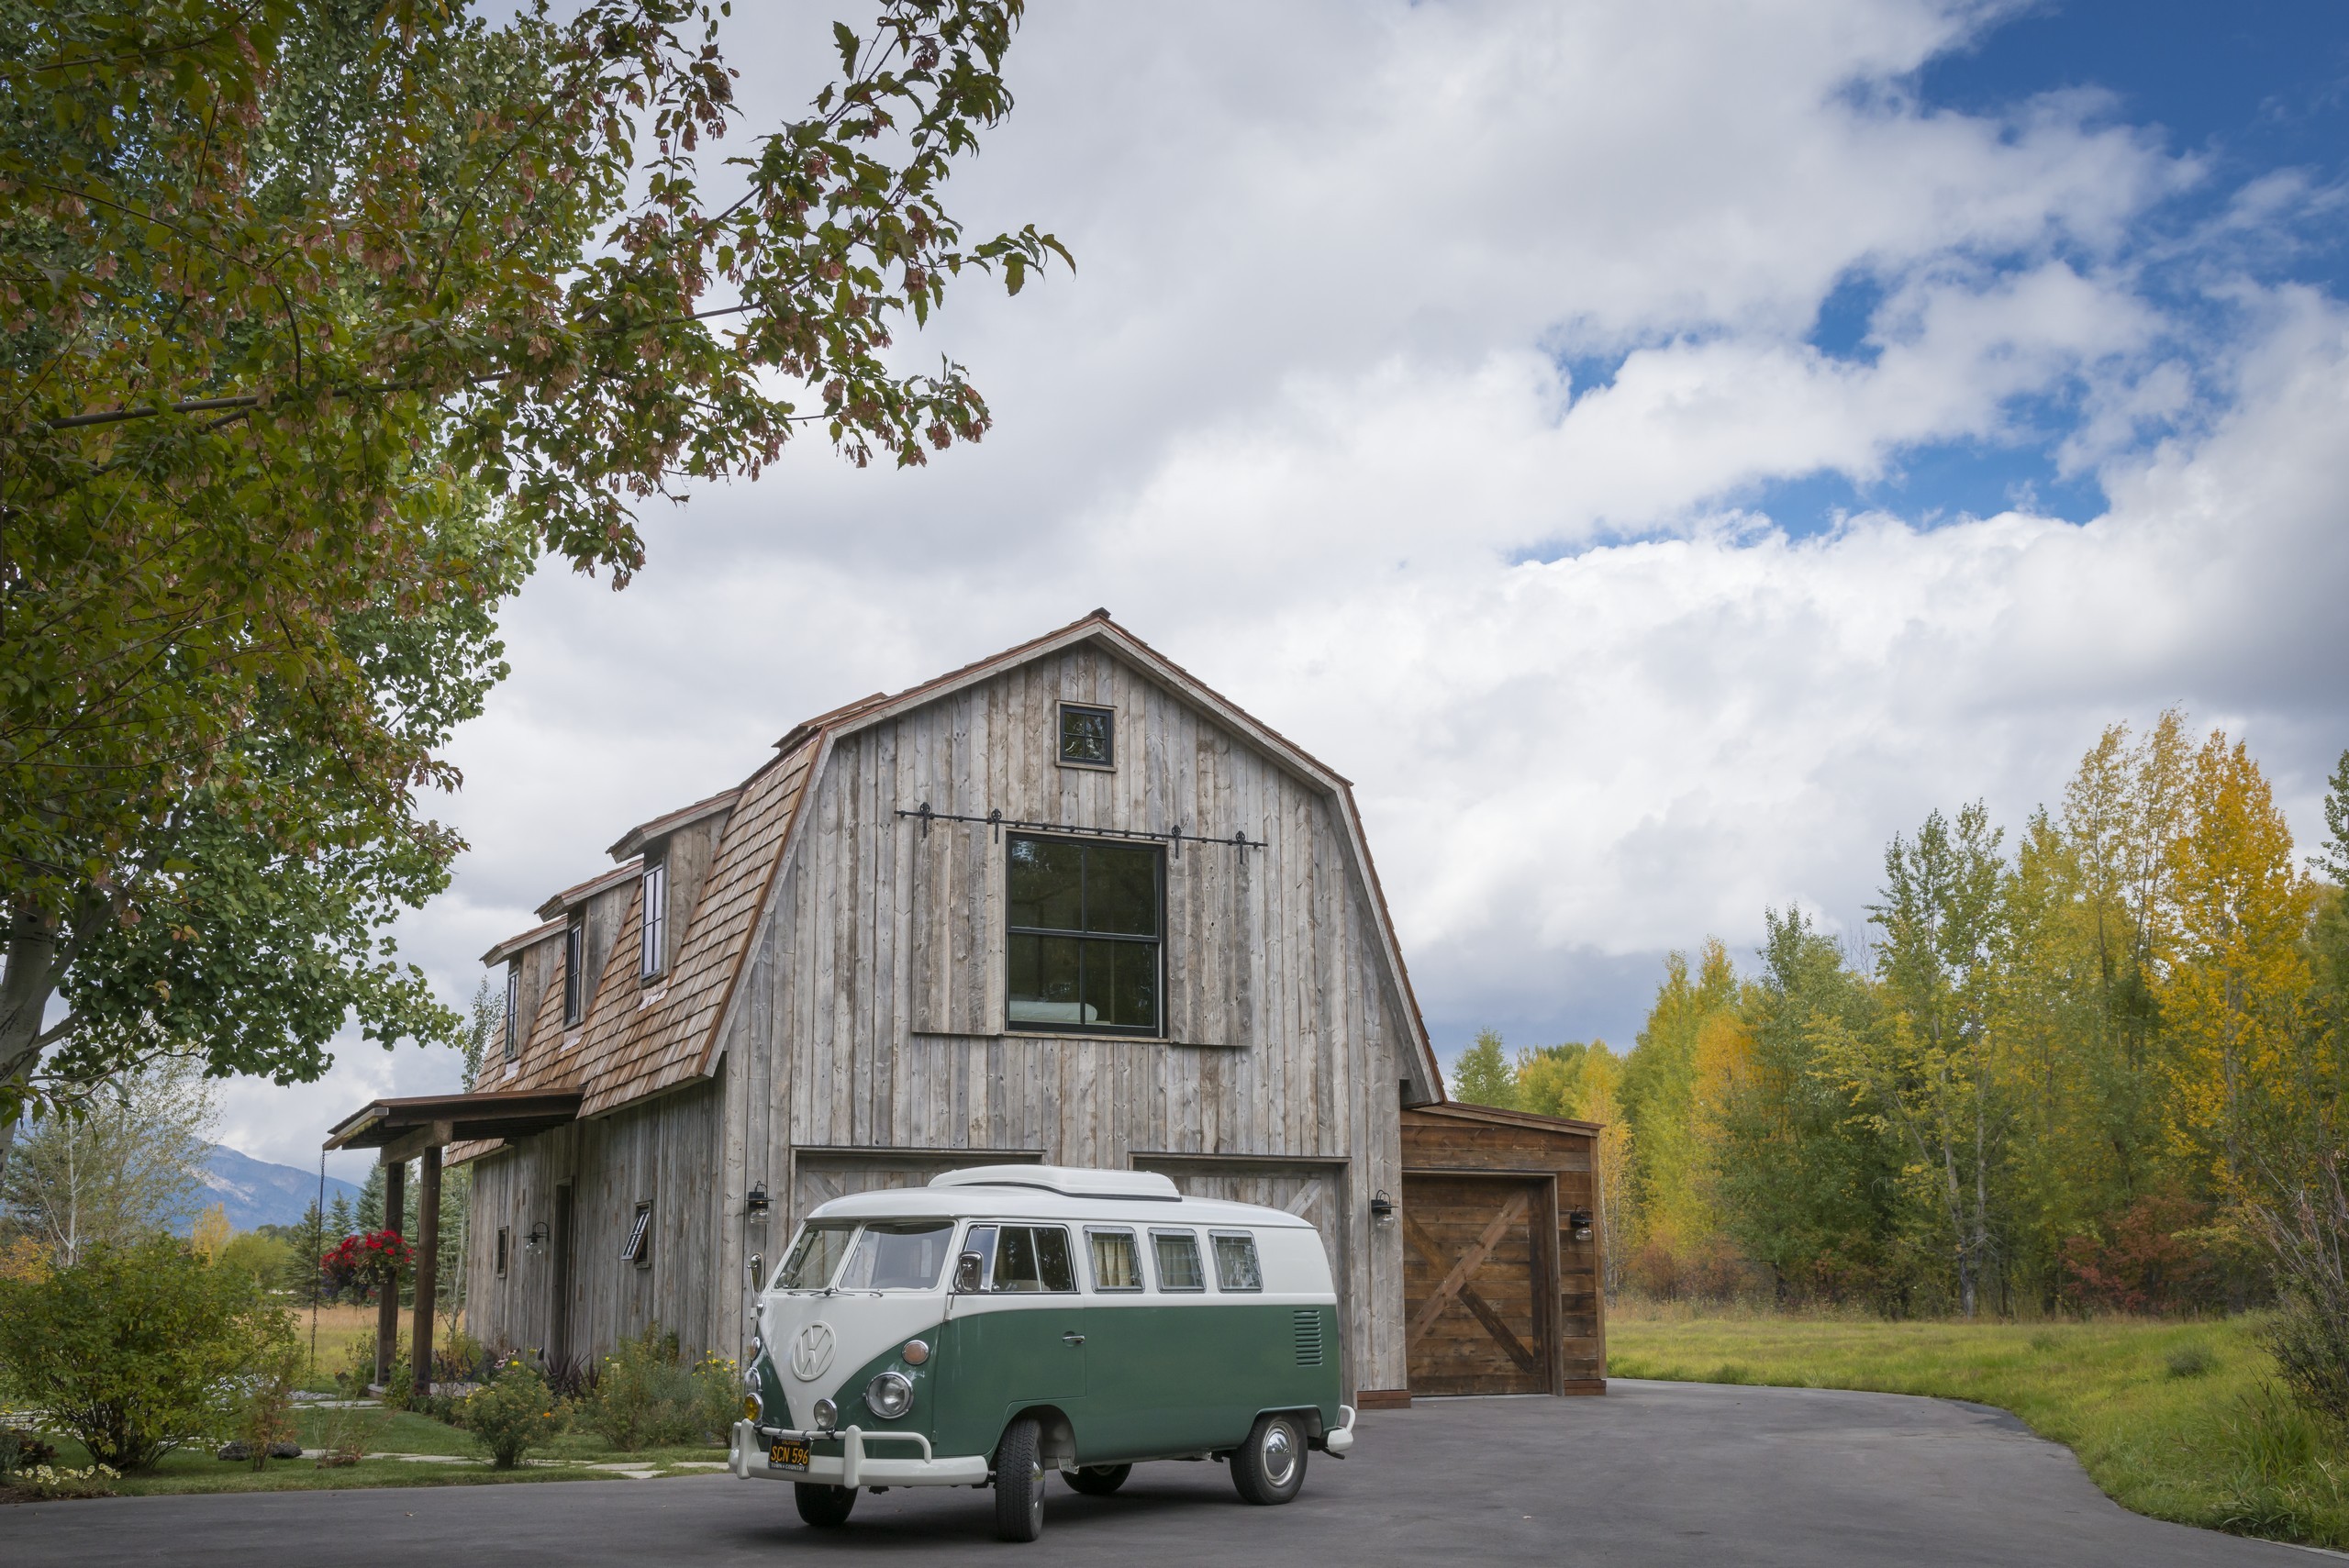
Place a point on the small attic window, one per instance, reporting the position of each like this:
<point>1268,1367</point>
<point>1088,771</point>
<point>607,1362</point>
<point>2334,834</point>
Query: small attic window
<point>654,958</point>
<point>513,1008</point>
<point>574,970</point>
<point>638,1248</point>
<point>1088,736</point>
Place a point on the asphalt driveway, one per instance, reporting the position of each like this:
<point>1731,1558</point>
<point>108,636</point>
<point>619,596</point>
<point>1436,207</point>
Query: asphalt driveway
<point>1654,1472</point>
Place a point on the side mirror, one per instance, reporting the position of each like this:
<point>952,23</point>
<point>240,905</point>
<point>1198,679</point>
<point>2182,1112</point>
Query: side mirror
<point>757,1265</point>
<point>966,1273</point>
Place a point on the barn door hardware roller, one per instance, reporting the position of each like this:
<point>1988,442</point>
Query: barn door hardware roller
<point>995,822</point>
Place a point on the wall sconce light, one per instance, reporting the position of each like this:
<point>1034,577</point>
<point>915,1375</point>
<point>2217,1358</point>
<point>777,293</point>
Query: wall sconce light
<point>755,1205</point>
<point>1579,1223</point>
<point>1381,1205</point>
<point>536,1242</point>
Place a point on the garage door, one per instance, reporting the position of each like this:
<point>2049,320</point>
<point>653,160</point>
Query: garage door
<point>819,1176</point>
<point>1474,1279</point>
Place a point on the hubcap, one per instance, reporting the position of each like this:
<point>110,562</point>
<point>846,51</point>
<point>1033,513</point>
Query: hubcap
<point>1280,1454</point>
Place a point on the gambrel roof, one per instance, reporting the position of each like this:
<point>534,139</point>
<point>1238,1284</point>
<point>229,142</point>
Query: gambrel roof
<point>634,1044</point>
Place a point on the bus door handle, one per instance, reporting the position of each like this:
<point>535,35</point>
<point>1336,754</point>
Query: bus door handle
<point>1072,1338</point>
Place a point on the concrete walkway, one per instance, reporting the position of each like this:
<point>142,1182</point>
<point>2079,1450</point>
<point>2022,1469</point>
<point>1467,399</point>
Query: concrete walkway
<point>1654,1474</point>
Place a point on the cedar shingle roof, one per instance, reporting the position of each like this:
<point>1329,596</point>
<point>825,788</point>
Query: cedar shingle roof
<point>637,1042</point>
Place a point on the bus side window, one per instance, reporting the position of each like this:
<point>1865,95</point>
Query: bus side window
<point>1117,1263</point>
<point>1235,1262</point>
<point>980,1239</point>
<point>1034,1258</point>
<point>1177,1253</point>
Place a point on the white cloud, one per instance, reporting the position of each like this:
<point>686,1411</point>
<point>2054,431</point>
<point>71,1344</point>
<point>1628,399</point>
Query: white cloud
<point>1300,418</point>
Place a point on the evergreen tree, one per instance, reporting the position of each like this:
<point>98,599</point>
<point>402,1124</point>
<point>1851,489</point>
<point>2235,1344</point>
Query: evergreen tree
<point>1482,1075</point>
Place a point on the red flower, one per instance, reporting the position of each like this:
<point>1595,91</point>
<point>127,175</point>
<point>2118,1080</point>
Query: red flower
<point>370,1256</point>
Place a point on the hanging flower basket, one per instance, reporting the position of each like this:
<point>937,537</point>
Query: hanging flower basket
<point>366,1260</point>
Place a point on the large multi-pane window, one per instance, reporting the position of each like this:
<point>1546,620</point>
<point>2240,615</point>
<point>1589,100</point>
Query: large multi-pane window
<point>1084,934</point>
<point>656,919</point>
<point>574,970</point>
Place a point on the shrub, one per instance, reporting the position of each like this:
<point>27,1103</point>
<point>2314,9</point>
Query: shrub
<point>20,1449</point>
<point>643,1397</point>
<point>2191,1360</point>
<point>343,1438</point>
<point>266,1410</point>
<point>136,1350</point>
<point>512,1414</point>
<point>44,1482</point>
<point>399,1385</point>
<point>2308,1239</point>
<point>2151,1260</point>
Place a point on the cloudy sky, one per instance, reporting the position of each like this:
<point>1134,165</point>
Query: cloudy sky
<point>1658,451</point>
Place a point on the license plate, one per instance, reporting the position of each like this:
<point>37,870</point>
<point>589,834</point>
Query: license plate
<point>786,1455</point>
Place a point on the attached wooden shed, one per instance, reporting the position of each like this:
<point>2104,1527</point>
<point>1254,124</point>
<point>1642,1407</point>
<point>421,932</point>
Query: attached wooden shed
<point>1501,1236</point>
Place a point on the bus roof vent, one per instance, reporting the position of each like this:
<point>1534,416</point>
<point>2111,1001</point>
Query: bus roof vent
<point>1069,1181</point>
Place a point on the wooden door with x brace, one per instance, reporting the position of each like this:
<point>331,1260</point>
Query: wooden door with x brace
<point>1479,1284</point>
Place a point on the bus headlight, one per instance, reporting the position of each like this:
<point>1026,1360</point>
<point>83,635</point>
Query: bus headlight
<point>752,1408</point>
<point>828,1415</point>
<point>889,1395</point>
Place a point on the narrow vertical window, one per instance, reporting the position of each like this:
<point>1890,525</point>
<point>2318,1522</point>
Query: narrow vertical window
<point>638,1248</point>
<point>502,1242</point>
<point>1088,736</point>
<point>574,970</point>
<point>513,1009</point>
<point>656,919</point>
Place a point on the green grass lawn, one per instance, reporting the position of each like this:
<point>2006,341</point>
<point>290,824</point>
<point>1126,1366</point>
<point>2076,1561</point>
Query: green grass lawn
<point>2178,1420</point>
<point>573,1457</point>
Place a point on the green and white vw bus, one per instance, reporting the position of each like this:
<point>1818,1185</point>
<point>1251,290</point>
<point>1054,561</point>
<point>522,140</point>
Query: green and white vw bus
<point>1008,1320</point>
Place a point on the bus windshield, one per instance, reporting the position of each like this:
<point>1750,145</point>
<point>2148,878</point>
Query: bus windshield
<point>816,1253</point>
<point>898,1254</point>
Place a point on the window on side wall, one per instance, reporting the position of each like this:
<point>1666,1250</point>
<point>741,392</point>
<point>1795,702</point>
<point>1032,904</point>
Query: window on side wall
<point>638,1248</point>
<point>574,970</point>
<point>1082,940</point>
<point>1088,736</point>
<point>1176,1253</point>
<point>654,957</point>
<point>502,1235</point>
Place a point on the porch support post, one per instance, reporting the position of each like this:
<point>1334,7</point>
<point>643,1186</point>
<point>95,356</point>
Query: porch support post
<point>387,1310</point>
<point>428,1266</point>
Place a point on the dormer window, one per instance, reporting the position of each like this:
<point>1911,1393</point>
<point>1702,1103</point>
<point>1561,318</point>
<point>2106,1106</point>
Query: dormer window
<point>655,956</point>
<point>574,970</point>
<point>1088,736</point>
<point>513,1008</point>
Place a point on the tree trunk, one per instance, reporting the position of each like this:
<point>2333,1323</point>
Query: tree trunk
<point>25,990</point>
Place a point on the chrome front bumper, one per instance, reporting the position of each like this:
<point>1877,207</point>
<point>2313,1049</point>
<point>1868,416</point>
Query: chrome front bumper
<point>854,1466</point>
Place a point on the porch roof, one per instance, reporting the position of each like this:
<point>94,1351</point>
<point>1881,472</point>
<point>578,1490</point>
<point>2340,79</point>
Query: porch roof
<point>448,1118</point>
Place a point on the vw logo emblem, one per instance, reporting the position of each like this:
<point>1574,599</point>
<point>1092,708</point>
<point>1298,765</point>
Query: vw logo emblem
<point>811,1352</point>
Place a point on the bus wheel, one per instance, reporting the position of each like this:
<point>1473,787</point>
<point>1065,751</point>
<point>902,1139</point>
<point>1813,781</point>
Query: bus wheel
<point>1270,1466</point>
<point>1020,1482</point>
<point>1097,1480</point>
<point>822,1506</point>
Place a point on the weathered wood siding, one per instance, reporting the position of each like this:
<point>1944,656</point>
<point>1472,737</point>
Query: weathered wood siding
<point>664,1152</point>
<point>1444,1144</point>
<point>870,1015</point>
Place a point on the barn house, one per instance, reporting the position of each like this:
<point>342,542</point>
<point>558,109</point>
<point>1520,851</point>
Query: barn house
<point>1065,904</point>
